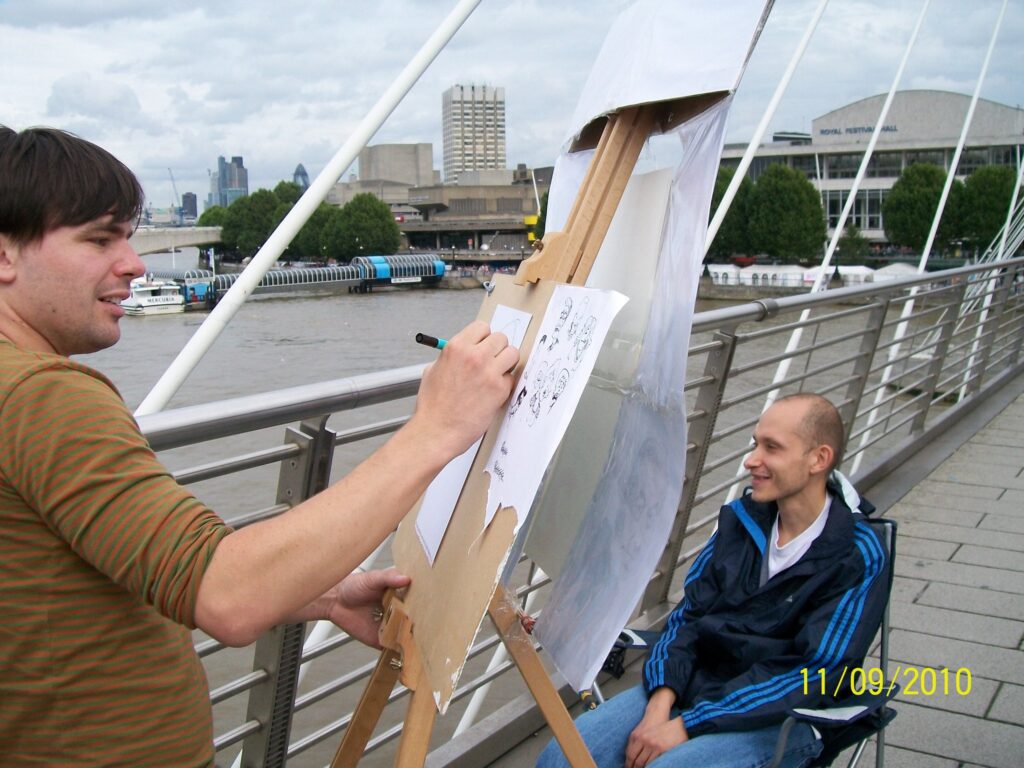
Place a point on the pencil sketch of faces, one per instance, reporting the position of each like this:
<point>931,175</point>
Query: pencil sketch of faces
<point>582,342</point>
<point>556,334</point>
<point>574,326</point>
<point>514,407</point>
<point>540,388</point>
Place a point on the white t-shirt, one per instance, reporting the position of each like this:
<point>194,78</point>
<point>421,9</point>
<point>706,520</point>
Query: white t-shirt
<point>780,558</point>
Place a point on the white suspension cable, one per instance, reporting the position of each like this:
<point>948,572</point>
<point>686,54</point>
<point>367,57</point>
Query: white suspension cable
<point>908,307</point>
<point>766,118</point>
<point>794,340</point>
<point>221,315</point>
<point>991,282</point>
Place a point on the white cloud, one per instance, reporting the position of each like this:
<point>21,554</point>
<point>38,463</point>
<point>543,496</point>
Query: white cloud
<point>174,85</point>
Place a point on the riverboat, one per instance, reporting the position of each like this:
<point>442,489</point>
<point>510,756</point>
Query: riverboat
<point>151,296</point>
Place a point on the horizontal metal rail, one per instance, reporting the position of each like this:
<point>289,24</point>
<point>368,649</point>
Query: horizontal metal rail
<point>854,332</point>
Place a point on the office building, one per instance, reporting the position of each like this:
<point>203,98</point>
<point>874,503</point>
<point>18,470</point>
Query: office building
<point>922,126</point>
<point>228,183</point>
<point>300,177</point>
<point>473,127</point>
<point>189,206</point>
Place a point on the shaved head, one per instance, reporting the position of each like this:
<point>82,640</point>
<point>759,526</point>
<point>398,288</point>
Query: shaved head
<point>821,423</point>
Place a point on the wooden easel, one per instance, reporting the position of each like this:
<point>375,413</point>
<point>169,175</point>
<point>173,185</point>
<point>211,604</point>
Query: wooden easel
<point>562,257</point>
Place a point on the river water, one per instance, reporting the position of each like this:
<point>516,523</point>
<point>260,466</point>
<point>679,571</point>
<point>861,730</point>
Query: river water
<point>275,342</point>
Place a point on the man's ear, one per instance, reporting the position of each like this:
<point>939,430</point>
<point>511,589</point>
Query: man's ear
<point>821,459</point>
<point>9,252</point>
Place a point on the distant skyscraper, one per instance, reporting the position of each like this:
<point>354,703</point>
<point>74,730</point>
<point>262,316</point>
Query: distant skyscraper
<point>228,183</point>
<point>301,178</point>
<point>473,123</point>
<point>189,205</point>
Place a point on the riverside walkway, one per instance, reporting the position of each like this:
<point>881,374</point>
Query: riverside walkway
<point>958,597</point>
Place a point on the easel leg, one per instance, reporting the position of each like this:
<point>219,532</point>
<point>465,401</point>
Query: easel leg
<point>368,712</point>
<point>520,647</point>
<point>419,724</point>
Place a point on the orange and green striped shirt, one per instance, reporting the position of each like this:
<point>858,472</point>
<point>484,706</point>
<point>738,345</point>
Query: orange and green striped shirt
<point>101,556</point>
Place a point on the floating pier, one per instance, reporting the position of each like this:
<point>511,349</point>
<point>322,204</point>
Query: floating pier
<point>362,275</point>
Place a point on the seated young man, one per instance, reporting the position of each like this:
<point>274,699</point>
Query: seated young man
<point>793,579</point>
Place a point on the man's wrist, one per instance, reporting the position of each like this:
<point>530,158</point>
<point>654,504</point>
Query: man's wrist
<point>661,701</point>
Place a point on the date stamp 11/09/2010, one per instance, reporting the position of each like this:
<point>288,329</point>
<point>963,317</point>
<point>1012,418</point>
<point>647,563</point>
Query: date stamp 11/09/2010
<point>913,681</point>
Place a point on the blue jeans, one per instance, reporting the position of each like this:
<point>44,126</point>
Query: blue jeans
<point>606,731</point>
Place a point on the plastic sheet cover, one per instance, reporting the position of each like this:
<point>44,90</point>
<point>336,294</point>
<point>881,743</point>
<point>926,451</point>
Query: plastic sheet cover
<point>634,404</point>
<point>610,497</point>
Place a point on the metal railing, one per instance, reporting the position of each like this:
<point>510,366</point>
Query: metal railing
<point>896,381</point>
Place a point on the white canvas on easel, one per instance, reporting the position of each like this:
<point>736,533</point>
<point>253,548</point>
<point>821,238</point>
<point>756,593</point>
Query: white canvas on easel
<point>435,512</point>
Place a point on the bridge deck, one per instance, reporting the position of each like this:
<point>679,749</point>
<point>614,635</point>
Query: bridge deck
<point>958,600</point>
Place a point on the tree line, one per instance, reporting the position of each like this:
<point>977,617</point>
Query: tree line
<point>780,214</point>
<point>363,226</point>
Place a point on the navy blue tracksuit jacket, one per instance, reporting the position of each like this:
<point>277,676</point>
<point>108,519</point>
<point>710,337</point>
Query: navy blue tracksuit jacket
<point>735,652</point>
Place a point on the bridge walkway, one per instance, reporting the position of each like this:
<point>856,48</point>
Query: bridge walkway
<point>958,598</point>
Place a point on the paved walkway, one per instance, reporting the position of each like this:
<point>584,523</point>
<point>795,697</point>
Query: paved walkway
<point>957,604</point>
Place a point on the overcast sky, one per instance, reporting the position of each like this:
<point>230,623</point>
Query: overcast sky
<point>175,84</point>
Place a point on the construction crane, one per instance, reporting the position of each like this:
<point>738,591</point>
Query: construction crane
<point>179,215</point>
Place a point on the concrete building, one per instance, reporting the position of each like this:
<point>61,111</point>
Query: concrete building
<point>922,126</point>
<point>473,128</point>
<point>228,183</point>
<point>409,164</point>
<point>485,212</point>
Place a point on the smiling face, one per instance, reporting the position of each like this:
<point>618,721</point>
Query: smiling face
<point>63,292</point>
<point>785,465</point>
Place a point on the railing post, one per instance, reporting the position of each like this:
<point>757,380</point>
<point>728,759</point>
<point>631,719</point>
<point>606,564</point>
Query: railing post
<point>709,398</point>
<point>279,651</point>
<point>991,315</point>
<point>938,353</point>
<point>1016,288</point>
<point>849,409</point>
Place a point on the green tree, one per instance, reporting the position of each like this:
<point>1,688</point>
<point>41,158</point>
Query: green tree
<point>365,226</point>
<point>852,247</point>
<point>308,241</point>
<point>287,192</point>
<point>786,220</point>
<point>212,217</point>
<point>249,222</point>
<point>909,208</point>
<point>985,201</point>
<point>733,236</point>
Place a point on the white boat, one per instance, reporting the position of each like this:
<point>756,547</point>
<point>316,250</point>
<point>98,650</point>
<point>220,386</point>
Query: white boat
<point>154,297</point>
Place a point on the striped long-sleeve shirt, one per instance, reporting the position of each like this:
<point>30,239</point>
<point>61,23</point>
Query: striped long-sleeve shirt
<point>101,556</point>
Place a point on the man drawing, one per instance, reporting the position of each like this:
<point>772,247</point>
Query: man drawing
<point>105,562</point>
<point>793,579</point>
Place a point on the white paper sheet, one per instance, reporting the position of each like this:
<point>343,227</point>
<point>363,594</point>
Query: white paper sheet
<point>563,355</point>
<point>443,493</point>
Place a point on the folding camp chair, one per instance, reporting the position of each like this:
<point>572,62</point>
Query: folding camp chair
<point>852,721</point>
<point>855,719</point>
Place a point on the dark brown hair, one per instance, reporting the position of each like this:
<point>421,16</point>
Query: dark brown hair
<point>51,178</point>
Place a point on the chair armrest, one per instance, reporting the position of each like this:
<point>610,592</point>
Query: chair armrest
<point>842,713</point>
<point>849,710</point>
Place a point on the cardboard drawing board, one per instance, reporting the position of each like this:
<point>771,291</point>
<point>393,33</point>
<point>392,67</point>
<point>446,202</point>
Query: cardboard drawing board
<point>447,601</point>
